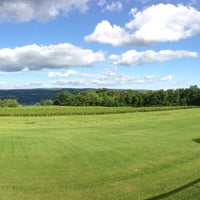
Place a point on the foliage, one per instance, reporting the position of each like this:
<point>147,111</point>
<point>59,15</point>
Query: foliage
<point>9,103</point>
<point>114,98</point>
<point>125,156</point>
<point>46,102</point>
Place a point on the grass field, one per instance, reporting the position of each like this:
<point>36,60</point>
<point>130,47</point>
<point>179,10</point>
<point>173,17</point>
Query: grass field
<point>141,155</point>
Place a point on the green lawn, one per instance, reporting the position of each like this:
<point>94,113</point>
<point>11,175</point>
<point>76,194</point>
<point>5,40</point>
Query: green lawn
<point>141,155</point>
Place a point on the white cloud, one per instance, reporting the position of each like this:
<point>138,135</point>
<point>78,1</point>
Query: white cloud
<point>42,10</point>
<point>113,6</point>
<point>62,75</point>
<point>167,78</point>
<point>149,77</point>
<point>161,23</point>
<point>158,23</point>
<point>34,57</point>
<point>133,57</point>
<point>101,3</point>
<point>106,33</point>
<point>108,78</point>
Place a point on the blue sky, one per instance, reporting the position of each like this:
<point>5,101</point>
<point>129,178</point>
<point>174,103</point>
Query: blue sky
<point>129,44</point>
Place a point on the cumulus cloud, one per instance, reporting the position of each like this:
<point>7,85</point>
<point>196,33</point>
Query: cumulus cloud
<point>133,57</point>
<point>42,10</point>
<point>157,23</point>
<point>109,34</point>
<point>35,57</point>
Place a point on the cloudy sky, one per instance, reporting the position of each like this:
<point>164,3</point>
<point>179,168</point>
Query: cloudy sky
<point>130,44</point>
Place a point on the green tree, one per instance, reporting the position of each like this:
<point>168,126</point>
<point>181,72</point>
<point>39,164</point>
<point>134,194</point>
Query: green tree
<point>64,98</point>
<point>193,95</point>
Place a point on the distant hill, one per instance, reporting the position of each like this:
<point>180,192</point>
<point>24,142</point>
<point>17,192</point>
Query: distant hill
<point>33,96</point>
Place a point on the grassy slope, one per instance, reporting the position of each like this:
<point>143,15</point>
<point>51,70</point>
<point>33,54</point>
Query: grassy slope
<point>126,156</point>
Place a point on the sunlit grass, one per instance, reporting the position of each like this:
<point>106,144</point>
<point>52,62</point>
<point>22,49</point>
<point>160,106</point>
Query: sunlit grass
<point>126,156</point>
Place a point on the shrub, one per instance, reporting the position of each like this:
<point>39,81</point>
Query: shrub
<point>9,103</point>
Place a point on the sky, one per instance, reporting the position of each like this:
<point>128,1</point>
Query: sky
<point>121,44</point>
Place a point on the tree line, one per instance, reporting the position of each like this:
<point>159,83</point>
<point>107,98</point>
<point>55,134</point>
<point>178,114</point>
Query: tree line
<point>113,98</point>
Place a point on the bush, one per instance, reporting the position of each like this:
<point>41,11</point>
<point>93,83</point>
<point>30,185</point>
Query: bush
<point>9,103</point>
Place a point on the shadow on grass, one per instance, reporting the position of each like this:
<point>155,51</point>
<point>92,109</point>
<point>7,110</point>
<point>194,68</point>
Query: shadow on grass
<point>168,194</point>
<point>197,140</point>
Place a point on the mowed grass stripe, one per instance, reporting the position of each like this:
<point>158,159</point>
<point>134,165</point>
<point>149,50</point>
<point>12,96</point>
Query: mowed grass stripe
<point>126,156</point>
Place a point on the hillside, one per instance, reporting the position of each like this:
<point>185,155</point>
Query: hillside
<point>32,96</point>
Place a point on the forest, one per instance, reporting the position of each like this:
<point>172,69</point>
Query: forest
<point>113,98</point>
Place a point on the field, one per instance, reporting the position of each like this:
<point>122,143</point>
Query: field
<point>139,155</point>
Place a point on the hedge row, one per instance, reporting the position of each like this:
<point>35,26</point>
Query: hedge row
<point>87,110</point>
